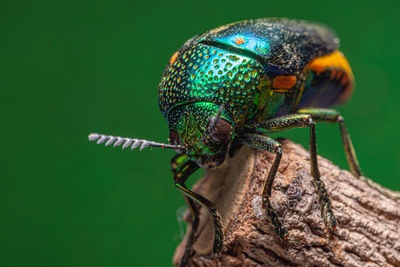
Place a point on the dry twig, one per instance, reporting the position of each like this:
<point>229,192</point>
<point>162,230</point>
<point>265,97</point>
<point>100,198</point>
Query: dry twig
<point>369,221</point>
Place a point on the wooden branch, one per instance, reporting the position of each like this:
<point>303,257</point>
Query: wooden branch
<point>369,221</point>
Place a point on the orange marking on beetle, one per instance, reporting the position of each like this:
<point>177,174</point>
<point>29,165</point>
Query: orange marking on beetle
<point>240,41</point>
<point>340,71</point>
<point>173,58</point>
<point>283,83</point>
<point>334,60</point>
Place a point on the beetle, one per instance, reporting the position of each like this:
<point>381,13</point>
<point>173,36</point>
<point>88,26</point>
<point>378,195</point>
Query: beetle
<point>233,85</point>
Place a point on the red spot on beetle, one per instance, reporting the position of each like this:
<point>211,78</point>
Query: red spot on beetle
<point>240,41</point>
<point>283,83</point>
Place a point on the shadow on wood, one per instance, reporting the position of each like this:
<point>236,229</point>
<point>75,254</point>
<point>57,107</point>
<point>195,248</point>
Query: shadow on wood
<point>369,221</point>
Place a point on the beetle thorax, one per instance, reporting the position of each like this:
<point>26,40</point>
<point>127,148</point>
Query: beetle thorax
<point>205,132</point>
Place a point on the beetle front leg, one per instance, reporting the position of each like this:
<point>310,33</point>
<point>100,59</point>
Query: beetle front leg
<point>181,166</point>
<point>333,116</point>
<point>270,145</point>
<point>180,177</point>
<point>299,121</point>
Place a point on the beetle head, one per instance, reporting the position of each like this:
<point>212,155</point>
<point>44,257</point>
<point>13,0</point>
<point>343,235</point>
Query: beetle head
<point>204,129</point>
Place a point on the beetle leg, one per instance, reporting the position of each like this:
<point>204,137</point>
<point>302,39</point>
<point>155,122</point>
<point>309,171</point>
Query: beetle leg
<point>270,145</point>
<point>180,176</point>
<point>333,116</point>
<point>298,121</point>
<point>181,166</point>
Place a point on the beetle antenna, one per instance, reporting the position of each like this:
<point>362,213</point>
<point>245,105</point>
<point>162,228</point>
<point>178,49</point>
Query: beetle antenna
<point>129,142</point>
<point>213,122</point>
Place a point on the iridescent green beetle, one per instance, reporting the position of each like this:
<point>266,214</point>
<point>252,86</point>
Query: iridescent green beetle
<point>234,84</point>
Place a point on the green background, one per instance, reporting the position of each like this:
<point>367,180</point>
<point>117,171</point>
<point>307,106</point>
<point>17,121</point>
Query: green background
<point>69,68</point>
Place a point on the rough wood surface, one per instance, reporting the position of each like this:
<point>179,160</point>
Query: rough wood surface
<point>369,221</point>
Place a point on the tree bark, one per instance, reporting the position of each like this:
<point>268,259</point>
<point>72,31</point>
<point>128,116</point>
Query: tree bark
<point>369,220</point>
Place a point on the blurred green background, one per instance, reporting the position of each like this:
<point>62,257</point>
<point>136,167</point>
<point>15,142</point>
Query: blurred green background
<point>69,68</point>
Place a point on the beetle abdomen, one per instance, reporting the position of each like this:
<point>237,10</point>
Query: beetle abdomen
<point>330,82</point>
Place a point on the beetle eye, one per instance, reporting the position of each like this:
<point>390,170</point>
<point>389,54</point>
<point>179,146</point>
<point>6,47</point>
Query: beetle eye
<point>173,138</point>
<point>222,132</point>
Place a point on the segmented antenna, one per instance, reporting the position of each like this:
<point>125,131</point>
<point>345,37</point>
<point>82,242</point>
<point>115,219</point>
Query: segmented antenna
<point>129,142</point>
<point>213,123</point>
